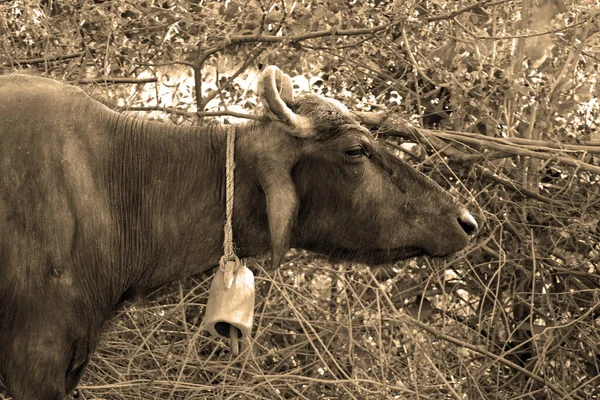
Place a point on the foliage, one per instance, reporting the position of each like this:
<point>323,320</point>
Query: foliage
<point>496,100</point>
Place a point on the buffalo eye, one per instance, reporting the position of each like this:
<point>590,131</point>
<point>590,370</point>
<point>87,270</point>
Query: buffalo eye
<point>356,152</point>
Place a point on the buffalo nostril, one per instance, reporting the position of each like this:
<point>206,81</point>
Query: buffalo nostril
<point>467,222</point>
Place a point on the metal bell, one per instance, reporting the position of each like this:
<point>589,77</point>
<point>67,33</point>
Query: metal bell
<point>230,311</point>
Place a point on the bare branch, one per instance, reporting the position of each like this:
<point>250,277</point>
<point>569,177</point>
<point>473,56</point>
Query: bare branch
<point>242,39</point>
<point>168,110</point>
<point>514,147</point>
<point>116,81</point>
<point>507,183</point>
<point>530,35</point>
<point>249,60</point>
<point>171,110</point>
<point>440,335</point>
<point>45,59</point>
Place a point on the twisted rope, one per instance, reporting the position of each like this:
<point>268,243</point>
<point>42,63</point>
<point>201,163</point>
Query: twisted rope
<point>229,260</point>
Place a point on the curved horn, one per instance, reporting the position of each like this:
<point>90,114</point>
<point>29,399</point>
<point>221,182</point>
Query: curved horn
<point>287,91</point>
<point>275,89</point>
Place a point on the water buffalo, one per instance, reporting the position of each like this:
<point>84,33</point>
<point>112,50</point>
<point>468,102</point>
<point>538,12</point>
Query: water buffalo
<point>97,207</point>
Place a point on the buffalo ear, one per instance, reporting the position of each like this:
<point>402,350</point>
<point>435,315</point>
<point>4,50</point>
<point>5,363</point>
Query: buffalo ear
<point>275,90</point>
<point>282,207</point>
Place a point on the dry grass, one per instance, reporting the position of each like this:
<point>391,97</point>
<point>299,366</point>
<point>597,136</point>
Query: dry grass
<point>328,332</point>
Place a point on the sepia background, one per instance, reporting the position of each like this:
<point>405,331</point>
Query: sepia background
<point>496,100</point>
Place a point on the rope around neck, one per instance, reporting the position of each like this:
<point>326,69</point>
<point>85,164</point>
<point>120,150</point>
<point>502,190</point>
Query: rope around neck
<point>229,261</point>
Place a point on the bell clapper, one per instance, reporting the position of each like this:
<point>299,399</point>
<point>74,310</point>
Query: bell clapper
<point>233,340</point>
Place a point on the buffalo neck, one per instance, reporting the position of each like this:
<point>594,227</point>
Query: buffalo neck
<point>167,194</point>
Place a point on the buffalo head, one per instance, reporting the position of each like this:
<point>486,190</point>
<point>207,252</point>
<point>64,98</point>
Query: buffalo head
<point>331,188</point>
